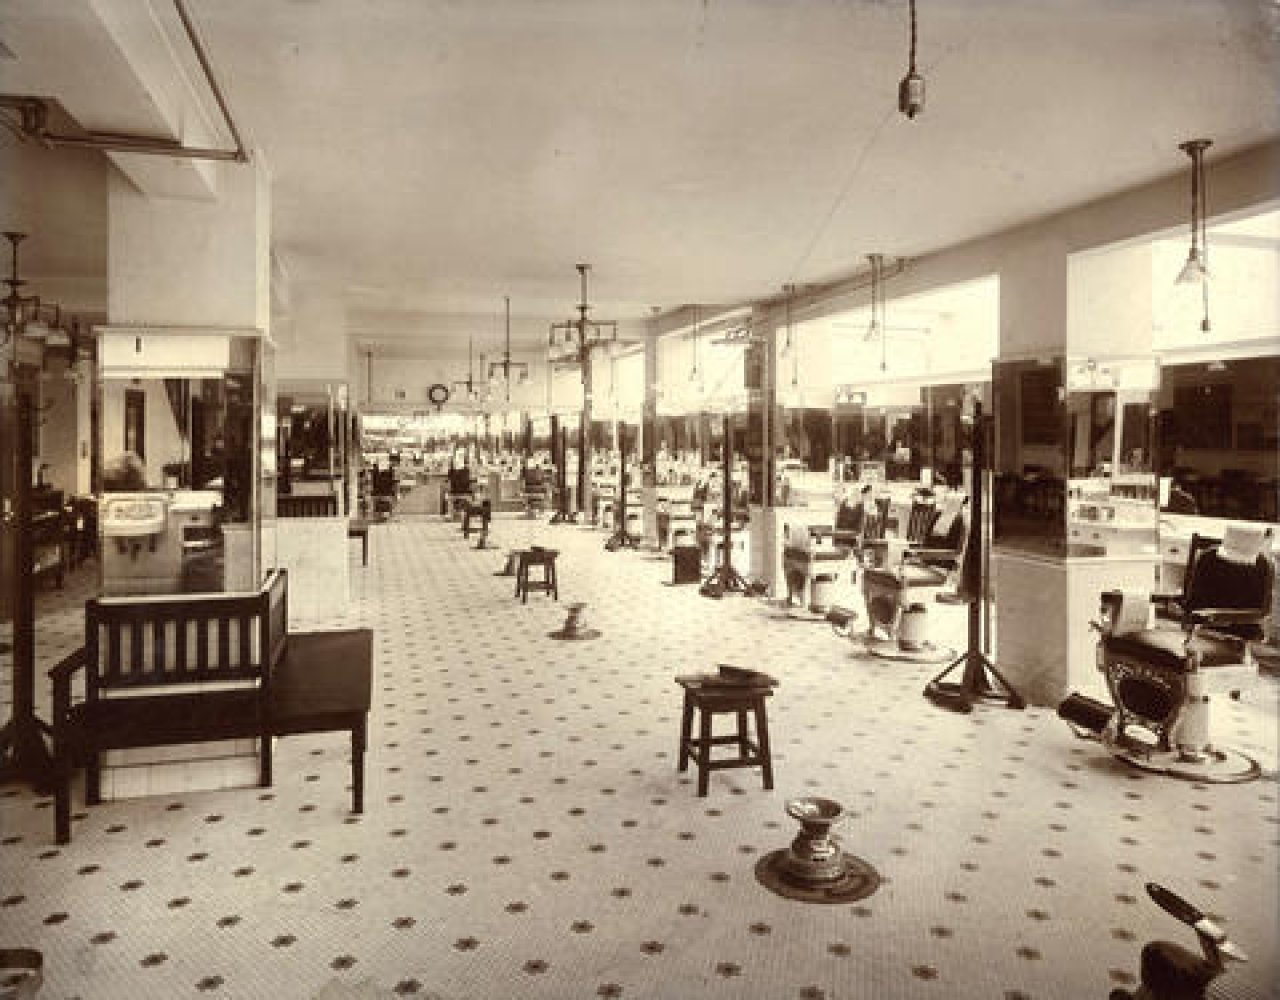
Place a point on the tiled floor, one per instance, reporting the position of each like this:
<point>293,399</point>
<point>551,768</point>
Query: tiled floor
<point>527,833</point>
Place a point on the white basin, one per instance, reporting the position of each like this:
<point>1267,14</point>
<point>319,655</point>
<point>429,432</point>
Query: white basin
<point>132,517</point>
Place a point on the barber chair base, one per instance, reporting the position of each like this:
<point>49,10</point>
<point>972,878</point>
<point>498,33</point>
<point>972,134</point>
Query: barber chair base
<point>1094,720</point>
<point>924,652</point>
<point>1218,765</point>
<point>798,612</point>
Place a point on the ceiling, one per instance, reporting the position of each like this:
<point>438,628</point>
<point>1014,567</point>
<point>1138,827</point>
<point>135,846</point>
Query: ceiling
<point>430,157</point>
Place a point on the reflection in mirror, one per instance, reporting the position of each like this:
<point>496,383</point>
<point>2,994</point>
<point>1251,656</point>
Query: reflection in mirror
<point>1030,455</point>
<point>177,467</point>
<point>1217,440</point>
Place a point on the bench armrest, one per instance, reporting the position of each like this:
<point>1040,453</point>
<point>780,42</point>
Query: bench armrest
<point>61,674</point>
<point>67,666</point>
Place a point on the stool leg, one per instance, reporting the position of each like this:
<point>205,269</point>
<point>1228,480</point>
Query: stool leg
<point>704,753</point>
<point>686,732</point>
<point>744,736</point>
<point>762,737</point>
<point>359,738</point>
<point>555,583</point>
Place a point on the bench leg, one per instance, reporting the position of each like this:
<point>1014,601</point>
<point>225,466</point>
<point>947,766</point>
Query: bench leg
<point>762,738</point>
<point>359,739</point>
<point>93,779</point>
<point>62,795</point>
<point>267,744</point>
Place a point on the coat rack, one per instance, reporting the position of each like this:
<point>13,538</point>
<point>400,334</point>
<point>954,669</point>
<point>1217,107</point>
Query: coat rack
<point>24,755</point>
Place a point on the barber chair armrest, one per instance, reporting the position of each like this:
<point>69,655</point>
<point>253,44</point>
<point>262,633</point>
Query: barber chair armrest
<point>1169,605</point>
<point>921,554</point>
<point>1226,616</point>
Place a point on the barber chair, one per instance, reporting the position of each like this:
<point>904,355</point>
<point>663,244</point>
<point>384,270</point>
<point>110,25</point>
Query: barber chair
<point>1157,652</point>
<point>900,567</point>
<point>382,484</point>
<point>461,491</point>
<point>535,493</point>
<point>812,565</point>
<point>1171,972</point>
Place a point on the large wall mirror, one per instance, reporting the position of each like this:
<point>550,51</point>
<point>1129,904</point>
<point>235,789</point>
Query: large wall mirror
<point>179,446</point>
<point>1218,438</point>
<point>314,451</point>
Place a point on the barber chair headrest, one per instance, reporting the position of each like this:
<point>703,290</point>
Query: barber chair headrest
<point>798,537</point>
<point>1243,544</point>
<point>1128,611</point>
<point>947,514</point>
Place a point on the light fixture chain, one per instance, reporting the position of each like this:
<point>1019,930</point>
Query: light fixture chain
<point>913,36</point>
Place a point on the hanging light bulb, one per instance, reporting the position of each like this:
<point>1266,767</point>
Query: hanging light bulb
<point>911,87</point>
<point>1195,269</point>
<point>873,327</point>
<point>788,346</point>
<point>694,374</point>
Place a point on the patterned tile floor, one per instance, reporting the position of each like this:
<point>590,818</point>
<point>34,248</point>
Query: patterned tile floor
<point>527,833</point>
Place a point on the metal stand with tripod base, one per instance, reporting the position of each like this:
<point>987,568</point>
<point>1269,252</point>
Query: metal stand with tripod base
<point>726,579</point>
<point>975,684</point>
<point>621,538</point>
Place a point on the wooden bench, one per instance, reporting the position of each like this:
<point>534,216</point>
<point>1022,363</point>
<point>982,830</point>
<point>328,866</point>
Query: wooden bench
<point>161,671</point>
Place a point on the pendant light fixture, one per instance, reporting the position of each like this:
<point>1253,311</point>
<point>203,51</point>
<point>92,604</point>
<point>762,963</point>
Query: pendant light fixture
<point>789,345</point>
<point>506,366</point>
<point>1196,270</point>
<point>469,384</point>
<point>911,87</point>
<point>694,374</point>
<point>19,309</point>
<point>876,328</point>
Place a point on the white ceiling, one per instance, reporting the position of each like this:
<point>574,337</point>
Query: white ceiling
<point>433,156</point>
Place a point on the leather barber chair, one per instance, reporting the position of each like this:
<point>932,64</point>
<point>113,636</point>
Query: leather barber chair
<point>1157,653</point>
<point>898,568</point>
<point>461,491</point>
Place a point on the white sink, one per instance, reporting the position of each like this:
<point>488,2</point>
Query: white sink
<point>132,516</point>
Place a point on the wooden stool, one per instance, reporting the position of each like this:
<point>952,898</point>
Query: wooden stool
<point>546,558</point>
<point>710,697</point>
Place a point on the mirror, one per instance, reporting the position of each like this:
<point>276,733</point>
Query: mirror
<point>179,461</point>
<point>1030,455</point>
<point>1218,438</point>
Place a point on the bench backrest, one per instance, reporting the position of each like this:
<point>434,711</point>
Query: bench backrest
<point>306,505</point>
<point>133,643</point>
